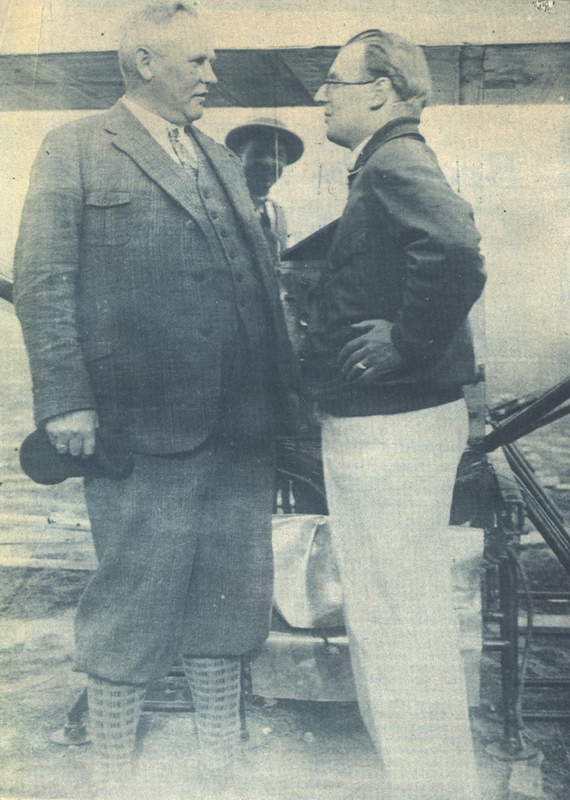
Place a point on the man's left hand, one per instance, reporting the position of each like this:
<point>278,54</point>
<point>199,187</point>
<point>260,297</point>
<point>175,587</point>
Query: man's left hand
<point>371,353</point>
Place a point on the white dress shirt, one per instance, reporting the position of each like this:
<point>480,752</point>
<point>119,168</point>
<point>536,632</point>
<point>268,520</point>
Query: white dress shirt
<point>158,127</point>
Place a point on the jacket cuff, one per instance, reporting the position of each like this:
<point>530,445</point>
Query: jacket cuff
<point>46,407</point>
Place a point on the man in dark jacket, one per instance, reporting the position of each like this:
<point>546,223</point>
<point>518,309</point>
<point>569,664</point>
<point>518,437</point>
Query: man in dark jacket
<point>149,305</point>
<point>390,349</point>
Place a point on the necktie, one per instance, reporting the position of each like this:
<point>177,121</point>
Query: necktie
<point>183,153</point>
<point>269,229</point>
<point>264,218</point>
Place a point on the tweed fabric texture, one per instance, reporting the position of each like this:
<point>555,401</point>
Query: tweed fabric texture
<point>250,399</point>
<point>115,237</point>
<point>185,561</point>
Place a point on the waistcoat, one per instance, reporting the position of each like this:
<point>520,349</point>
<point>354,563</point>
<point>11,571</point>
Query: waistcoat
<point>249,384</point>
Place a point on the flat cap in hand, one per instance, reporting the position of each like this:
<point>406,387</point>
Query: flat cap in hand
<point>43,464</point>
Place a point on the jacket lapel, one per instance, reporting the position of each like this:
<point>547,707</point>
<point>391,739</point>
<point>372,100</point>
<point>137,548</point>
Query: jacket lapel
<point>132,138</point>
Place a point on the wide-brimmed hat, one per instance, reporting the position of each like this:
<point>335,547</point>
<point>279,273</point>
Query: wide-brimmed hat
<point>264,127</point>
<point>43,464</point>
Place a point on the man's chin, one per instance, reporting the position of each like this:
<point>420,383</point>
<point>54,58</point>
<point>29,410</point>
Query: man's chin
<point>195,109</point>
<point>333,138</point>
<point>194,114</point>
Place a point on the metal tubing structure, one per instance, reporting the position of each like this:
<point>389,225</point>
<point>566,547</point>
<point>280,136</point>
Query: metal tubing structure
<point>6,289</point>
<point>508,589</point>
<point>539,507</point>
<point>522,420</point>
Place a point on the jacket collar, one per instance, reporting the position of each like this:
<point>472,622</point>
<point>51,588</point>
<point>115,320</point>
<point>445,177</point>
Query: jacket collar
<point>132,138</point>
<point>402,126</point>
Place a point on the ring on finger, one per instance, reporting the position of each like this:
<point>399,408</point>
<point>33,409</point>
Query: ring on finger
<point>361,365</point>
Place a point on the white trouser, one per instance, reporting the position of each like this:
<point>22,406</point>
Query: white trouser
<point>389,482</point>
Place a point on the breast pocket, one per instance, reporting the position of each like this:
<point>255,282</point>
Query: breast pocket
<point>107,218</point>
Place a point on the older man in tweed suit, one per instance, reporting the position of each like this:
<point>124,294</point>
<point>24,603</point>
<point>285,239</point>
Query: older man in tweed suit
<point>148,302</point>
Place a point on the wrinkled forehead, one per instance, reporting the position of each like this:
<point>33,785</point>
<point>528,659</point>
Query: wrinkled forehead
<point>349,65</point>
<point>184,36</point>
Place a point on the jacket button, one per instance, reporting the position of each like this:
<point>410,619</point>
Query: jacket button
<point>206,193</point>
<point>214,214</point>
<point>190,224</point>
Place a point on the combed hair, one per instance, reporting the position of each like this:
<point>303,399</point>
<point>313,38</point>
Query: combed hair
<point>389,55</point>
<point>143,27</point>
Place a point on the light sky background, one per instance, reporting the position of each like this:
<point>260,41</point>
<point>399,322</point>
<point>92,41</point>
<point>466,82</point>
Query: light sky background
<point>61,25</point>
<point>511,162</point>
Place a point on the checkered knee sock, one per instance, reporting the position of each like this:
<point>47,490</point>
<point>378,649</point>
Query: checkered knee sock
<point>114,713</point>
<point>215,687</point>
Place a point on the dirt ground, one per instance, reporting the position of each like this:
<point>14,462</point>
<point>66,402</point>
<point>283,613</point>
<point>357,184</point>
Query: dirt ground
<point>295,750</point>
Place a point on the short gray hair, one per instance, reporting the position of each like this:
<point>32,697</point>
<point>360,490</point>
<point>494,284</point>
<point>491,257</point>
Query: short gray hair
<point>391,56</point>
<point>143,27</point>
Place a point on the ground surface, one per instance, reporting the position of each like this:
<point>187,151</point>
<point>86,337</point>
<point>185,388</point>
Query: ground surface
<point>296,749</point>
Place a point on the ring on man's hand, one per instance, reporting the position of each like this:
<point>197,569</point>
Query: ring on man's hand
<point>361,365</point>
<point>61,448</point>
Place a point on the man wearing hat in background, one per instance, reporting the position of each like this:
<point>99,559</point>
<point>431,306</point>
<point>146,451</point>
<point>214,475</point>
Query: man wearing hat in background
<point>266,147</point>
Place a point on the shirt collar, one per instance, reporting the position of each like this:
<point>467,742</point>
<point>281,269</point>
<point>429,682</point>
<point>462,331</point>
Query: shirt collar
<point>159,128</point>
<point>357,151</point>
<point>155,124</point>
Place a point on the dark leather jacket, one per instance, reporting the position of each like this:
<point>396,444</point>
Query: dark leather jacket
<point>405,250</point>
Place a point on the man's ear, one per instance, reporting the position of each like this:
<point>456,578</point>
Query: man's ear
<point>143,61</point>
<point>382,92</point>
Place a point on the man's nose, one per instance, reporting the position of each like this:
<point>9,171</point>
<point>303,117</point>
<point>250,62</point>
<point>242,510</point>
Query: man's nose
<point>321,94</point>
<point>208,74</point>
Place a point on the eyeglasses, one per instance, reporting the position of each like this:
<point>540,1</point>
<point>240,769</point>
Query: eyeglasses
<point>331,82</point>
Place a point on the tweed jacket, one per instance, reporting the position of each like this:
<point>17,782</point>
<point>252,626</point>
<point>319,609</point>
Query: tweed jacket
<point>405,250</point>
<point>111,282</point>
